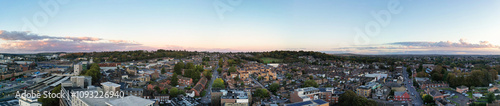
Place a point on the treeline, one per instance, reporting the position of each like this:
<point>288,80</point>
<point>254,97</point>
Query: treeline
<point>293,56</point>
<point>475,78</point>
<point>349,98</point>
<point>190,70</point>
<point>122,56</point>
<point>287,56</point>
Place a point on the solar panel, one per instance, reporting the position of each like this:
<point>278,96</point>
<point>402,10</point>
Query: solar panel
<point>319,101</point>
<point>300,103</point>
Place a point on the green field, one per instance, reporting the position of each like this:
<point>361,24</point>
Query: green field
<point>270,60</point>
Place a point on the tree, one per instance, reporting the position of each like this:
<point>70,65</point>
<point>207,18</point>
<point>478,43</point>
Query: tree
<point>221,63</point>
<point>261,93</point>
<point>174,92</point>
<point>178,68</point>
<point>310,83</point>
<point>232,69</point>
<point>420,68</point>
<point>436,77</point>
<point>205,59</point>
<point>189,66</point>
<point>207,74</point>
<point>415,83</point>
<point>94,72</point>
<point>237,78</point>
<point>490,97</point>
<point>274,87</point>
<point>163,71</point>
<point>157,89</point>
<point>391,93</point>
<point>260,78</point>
<point>165,91</point>
<point>349,98</point>
<point>219,70</point>
<point>50,101</point>
<point>288,75</point>
<point>408,70</point>
<point>218,83</point>
<point>422,74</point>
<point>427,98</point>
<point>199,68</point>
<point>371,67</point>
<point>174,80</point>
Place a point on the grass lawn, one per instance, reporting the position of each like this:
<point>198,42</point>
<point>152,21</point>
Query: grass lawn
<point>455,103</point>
<point>469,94</point>
<point>446,89</point>
<point>203,93</point>
<point>454,97</point>
<point>482,99</point>
<point>269,60</point>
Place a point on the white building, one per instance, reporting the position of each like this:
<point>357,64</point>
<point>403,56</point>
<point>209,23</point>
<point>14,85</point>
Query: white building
<point>77,69</point>
<point>130,101</point>
<point>23,101</point>
<point>109,86</point>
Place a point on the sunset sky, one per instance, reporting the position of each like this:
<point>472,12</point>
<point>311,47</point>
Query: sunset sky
<point>331,26</point>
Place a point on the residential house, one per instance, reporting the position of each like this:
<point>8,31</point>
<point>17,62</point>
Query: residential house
<point>432,84</point>
<point>363,91</point>
<point>311,93</point>
<point>161,97</point>
<point>401,96</point>
<point>462,89</point>
<point>198,88</point>
<point>434,93</point>
<point>493,88</point>
<point>185,81</point>
<point>381,93</point>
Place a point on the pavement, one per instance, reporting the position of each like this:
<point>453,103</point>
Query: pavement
<point>461,99</point>
<point>415,99</point>
<point>207,98</point>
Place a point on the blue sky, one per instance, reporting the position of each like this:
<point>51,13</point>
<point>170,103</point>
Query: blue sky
<point>252,25</point>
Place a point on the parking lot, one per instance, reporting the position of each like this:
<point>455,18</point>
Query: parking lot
<point>456,97</point>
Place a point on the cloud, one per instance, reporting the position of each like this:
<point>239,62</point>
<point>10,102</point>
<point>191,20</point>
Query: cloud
<point>442,47</point>
<point>17,35</point>
<point>61,45</point>
<point>25,42</point>
<point>83,38</point>
<point>448,44</point>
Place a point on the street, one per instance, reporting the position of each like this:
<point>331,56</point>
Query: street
<point>415,98</point>
<point>207,98</point>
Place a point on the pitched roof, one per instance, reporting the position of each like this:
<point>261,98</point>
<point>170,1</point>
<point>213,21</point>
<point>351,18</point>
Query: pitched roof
<point>203,81</point>
<point>462,87</point>
<point>434,93</point>
<point>399,93</point>
<point>198,87</point>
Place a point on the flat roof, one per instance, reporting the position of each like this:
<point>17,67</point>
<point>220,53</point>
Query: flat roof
<point>308,103</point>
<point>131,101</point>
<point>110,84</point>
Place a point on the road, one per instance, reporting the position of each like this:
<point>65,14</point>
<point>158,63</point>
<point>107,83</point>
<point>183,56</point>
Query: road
<point>207,98</point>
<point>415,99</point>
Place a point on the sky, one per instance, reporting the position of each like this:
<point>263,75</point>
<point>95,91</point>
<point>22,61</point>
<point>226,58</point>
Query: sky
<point>330,26</point>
